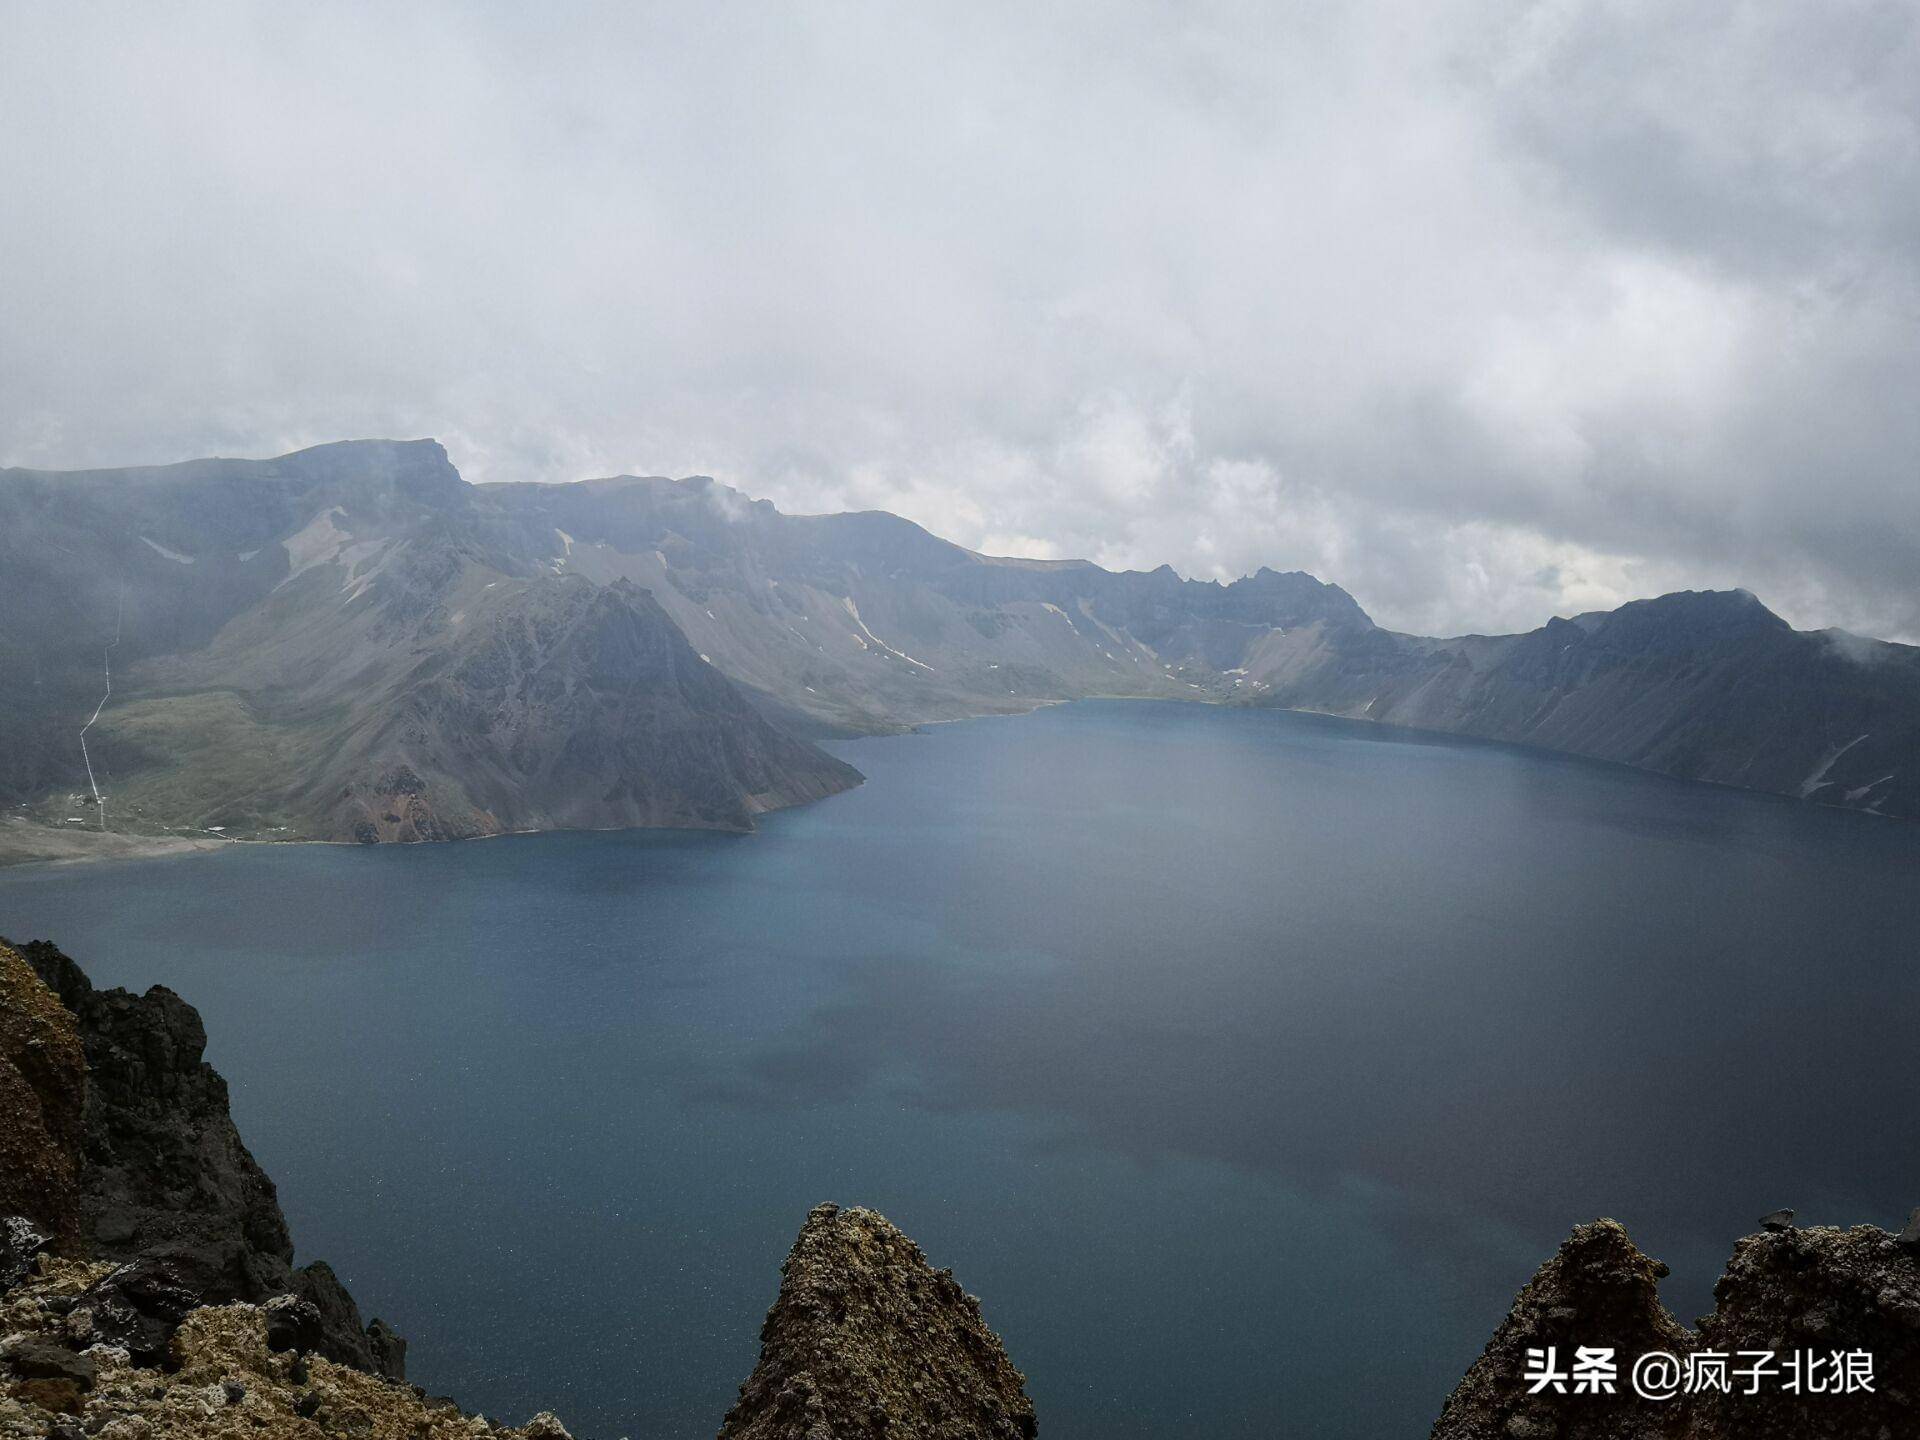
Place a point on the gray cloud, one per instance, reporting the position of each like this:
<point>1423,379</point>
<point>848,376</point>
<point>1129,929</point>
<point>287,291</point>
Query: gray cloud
<point>1486,310</point>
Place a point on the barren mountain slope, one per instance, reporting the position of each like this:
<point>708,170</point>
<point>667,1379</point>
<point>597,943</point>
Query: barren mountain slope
<point>330,646</point>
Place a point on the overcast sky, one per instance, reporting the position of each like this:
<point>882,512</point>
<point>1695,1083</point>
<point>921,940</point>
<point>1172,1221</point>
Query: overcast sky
<point>1485,310</point>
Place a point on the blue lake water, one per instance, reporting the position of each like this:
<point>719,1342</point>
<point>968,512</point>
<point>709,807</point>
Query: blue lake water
<point>1243,1063</point>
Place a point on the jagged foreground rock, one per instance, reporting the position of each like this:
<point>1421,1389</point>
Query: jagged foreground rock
<point>867,1339</point>
<point>130,1210</point>
<point>1786,1291</point>
<point>43,1076</point>
<point>1598,1291</point>
<point>220,1379</point>
<point>164,1184</point>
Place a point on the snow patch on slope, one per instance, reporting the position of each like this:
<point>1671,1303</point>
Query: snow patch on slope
<point>1818,779</point>
<point>318,542</point>
<point>173,555</point>
<point>854,611</point>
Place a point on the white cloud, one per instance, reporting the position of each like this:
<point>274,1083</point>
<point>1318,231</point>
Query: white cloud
<point>1483,310</point>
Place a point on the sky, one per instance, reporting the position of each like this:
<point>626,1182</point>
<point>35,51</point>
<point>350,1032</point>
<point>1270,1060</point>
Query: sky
<point>1486,311</point>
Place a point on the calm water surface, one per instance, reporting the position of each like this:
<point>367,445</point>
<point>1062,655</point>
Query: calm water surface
<point>1245,1064</point>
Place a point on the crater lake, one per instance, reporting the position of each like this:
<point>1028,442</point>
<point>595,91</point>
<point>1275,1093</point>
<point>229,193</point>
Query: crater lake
<point>1244,1063</point>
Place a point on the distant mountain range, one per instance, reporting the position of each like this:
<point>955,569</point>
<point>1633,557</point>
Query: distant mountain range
<point>352,642</point>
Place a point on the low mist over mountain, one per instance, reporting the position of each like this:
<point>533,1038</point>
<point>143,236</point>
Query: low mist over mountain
<point>351,642</point>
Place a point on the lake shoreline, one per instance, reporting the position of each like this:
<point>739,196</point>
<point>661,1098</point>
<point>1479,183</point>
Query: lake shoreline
<point>51,845</point>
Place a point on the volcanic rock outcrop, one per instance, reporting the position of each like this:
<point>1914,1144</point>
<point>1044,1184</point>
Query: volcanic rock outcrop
<point>1808,1297</point>
<point>867,1339</point>
<point>1598,1291</point>
<point>161,1182</point>
<point>220,1379</point>
<point>43,1077</point>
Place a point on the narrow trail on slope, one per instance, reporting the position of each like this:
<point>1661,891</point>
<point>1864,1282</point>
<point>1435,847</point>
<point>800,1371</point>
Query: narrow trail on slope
<point>106,663</point>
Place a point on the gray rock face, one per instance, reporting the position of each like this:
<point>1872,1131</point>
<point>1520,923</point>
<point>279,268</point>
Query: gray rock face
<point>139,1305</point>
<point>168,1187</point>
<point>376,1348</point>
<point>867,1339</point>
<point>1702,686</point>
<point>166,1171</point>
<point>36,1359</point>
<point>22,1242</point>
<point>570,706</point>
<point>1909,1236</point>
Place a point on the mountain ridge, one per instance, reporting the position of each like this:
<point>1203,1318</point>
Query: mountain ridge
<point>1705,685</point>
<point>353,642</point>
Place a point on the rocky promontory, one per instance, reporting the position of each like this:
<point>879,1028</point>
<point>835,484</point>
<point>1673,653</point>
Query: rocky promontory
<point>867,1338</point>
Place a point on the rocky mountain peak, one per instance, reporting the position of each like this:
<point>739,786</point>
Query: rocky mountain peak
<point>1303,597</point>
<point>867,1338</point>
<point>384,478</point>
<point>1691,617</point>
<point>1600,1291</point>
